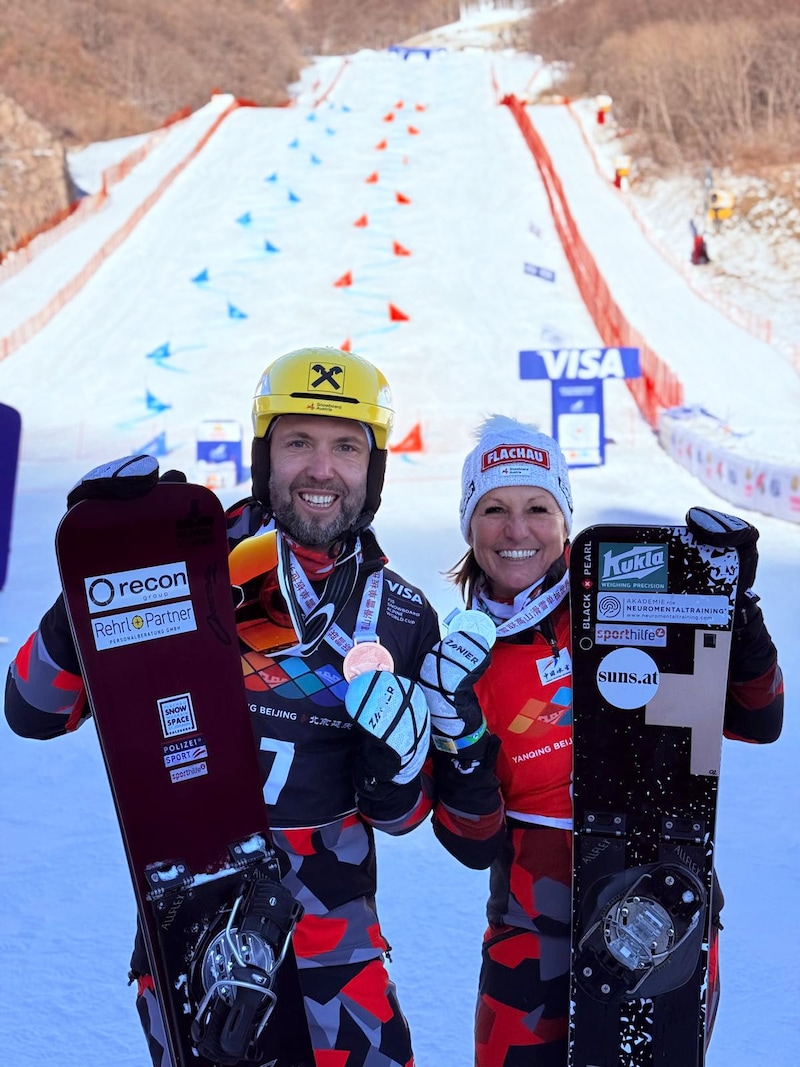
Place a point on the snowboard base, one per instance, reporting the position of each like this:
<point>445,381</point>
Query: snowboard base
<point>652,610</point>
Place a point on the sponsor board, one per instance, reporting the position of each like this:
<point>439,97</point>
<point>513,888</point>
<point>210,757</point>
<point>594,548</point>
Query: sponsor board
<point>626,634</point>
<point>177,715</point>
<point>194,770</point>
<point>627,678</point>
<point>145,585</point>
<point>147,624</point>
<point>700,609</point>
<point>632,566</point>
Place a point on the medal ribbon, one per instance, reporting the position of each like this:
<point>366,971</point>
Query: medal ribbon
<point>302,601</point>
<point>537,609</point>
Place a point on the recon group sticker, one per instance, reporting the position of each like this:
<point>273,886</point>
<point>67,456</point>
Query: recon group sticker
<point>177,715</point>
<point>127,589</point>
<point>627,678</point>
<point>632,566</point>
<point>700,608</point>
<point>629,634</point>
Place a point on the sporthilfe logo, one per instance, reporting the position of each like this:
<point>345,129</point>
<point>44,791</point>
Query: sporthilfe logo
<point>630,566</point>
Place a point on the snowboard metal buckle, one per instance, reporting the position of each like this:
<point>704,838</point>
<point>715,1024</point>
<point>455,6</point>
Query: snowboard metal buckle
<point>237,968</point>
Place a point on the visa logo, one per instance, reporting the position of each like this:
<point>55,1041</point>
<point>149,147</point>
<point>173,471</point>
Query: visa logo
<point>579,363</point>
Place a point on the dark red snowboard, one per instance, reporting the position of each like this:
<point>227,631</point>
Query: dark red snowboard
<point>148,593</point>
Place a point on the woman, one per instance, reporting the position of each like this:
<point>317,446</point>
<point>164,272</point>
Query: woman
<point>516,516</point>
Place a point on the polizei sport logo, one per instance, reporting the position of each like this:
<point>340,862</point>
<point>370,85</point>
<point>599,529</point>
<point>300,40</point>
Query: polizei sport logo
<point>633,566</point>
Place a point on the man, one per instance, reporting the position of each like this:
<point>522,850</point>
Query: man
<point>317,609</point>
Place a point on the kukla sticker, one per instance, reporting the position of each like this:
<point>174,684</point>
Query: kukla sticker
<point>177,715</point>
<point>627,678</point>
<point>632,566</point>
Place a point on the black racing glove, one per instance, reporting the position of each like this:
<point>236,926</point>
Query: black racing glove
<point>121,479</point>
<point>392,715</point>
<point>752,650</point>
<point>729,531</point>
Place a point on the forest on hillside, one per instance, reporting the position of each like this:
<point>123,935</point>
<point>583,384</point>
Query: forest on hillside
<point>711,80</point>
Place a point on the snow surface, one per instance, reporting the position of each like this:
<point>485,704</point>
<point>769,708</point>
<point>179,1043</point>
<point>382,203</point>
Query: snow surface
<point>477,212</point>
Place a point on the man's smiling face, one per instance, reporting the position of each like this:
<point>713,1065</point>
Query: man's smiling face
<point>318,476</point>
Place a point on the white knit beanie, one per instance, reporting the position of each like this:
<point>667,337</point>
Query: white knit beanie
<point>513,453</point>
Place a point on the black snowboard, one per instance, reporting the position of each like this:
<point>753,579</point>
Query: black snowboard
<point>148,593</point>
<point>651,621</point>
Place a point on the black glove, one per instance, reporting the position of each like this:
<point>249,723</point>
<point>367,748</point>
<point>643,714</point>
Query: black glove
<point>392,714</point>
<point>729,531</point>
<point>121,479</point>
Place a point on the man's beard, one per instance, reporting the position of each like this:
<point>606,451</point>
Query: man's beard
<point>311,532</point>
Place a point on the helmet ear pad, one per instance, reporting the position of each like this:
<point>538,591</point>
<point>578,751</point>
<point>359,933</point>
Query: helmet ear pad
<point>376,472</point>
<point>260,470</point>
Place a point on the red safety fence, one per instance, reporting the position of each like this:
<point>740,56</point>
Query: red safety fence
<point>658,388</point>
<point>20,254</point>
<point>26,330</point>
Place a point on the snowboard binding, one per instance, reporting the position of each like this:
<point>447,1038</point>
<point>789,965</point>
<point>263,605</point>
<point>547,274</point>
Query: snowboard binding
<point>643,934</point>
<point>235,969</point>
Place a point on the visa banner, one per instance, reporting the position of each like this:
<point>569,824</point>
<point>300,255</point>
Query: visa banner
<point>558,364</point>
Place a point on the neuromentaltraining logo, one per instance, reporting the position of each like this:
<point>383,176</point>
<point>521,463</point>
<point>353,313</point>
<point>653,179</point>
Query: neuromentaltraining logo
<point>630,566</point>
<point>126,589</point>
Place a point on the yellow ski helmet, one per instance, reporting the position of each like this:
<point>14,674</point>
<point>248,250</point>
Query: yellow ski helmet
<point>324,381</point>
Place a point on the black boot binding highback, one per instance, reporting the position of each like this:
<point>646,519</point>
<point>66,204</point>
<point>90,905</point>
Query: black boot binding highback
<point>235,971</point>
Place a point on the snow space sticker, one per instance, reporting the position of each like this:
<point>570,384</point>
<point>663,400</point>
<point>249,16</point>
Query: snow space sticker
<point>663,607</point>
<point>627,678</point>
<point>177,715</point>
